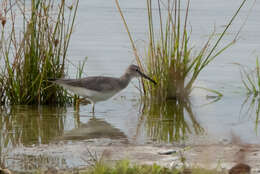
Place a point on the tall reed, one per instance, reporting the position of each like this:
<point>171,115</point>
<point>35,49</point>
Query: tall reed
<point>170,58</point>
<point>34,50</point>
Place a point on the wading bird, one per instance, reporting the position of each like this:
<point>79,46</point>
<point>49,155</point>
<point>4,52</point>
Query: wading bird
<point>100,88</point>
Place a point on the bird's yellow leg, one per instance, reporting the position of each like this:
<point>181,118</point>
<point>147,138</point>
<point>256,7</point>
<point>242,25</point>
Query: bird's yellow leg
<point>85,100</point>
<point>77,104</point>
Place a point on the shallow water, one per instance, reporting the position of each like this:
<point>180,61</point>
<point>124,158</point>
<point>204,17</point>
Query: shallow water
<point>100,35</point>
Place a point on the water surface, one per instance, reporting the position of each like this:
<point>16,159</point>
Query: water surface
<point>100,35</point>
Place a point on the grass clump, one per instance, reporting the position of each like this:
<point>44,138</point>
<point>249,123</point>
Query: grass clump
<point>33,48</point>
<point>251,78</point>
<point>124,167</point>
<point>171,60</point>
<point>251,81</point>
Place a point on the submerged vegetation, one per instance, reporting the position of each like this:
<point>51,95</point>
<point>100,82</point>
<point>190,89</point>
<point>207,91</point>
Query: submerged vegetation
<point>170,58</point>
<point>34,40</point>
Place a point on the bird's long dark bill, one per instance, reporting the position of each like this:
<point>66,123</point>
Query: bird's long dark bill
<point>145,76</point>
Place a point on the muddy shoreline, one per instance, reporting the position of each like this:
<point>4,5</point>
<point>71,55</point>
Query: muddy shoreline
<point>80,155</point>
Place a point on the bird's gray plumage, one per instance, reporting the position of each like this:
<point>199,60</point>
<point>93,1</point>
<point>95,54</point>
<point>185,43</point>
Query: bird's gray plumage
<point>105,84</point>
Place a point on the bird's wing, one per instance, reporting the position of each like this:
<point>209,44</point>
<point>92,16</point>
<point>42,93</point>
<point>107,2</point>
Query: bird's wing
<point>96,83</point>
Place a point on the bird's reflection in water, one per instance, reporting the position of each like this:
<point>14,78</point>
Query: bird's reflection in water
<point>95,128</point>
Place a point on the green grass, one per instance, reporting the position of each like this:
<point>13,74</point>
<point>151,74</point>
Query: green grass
<point>124,167</point>
<point>170,58</point>
<point>251,81</point>
<point>251,78</point>
<point>35,50</point>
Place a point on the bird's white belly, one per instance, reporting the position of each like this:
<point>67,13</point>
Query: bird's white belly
<point>91,94</point>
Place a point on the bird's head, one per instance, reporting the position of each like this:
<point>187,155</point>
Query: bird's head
<point>134,71</point>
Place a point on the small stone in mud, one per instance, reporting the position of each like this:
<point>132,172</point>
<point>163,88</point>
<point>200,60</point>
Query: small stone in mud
<point>240,168</point>
<point>167,152</point>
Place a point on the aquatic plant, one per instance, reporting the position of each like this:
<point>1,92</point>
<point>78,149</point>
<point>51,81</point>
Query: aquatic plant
<point>170,58</point>
<point>33,47</point>
<point>251,81</point>
<point>251,78</point>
